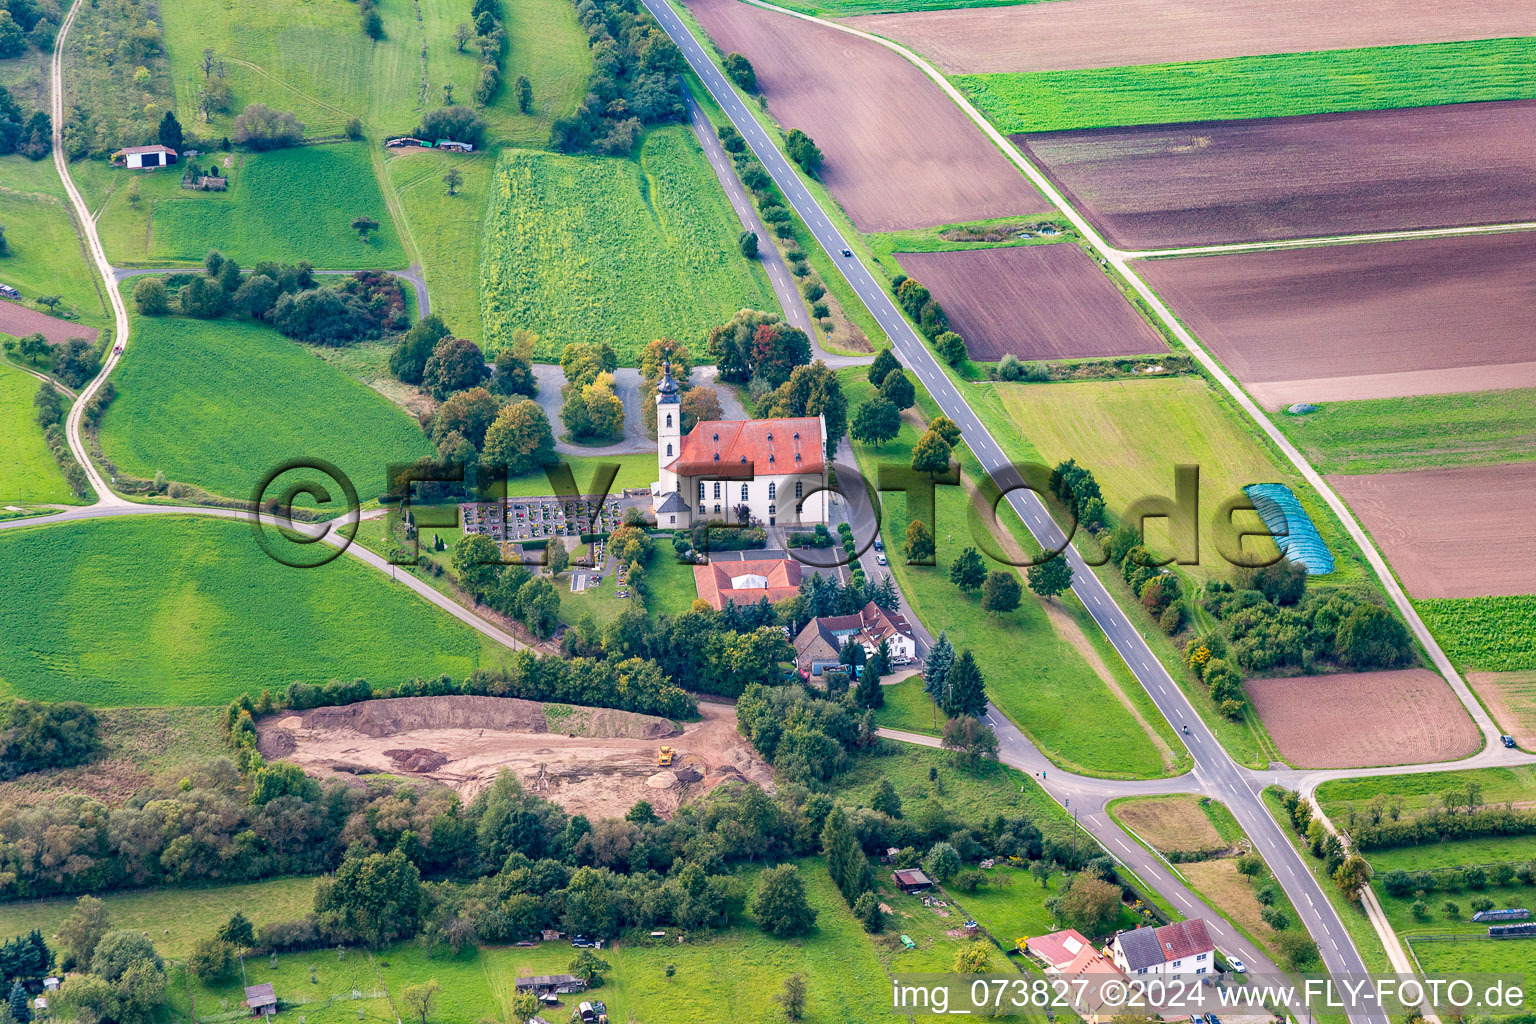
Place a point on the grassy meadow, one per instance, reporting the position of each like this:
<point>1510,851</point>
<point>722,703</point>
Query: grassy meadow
<point>672,590</point>
<point>1423,789</point>
<point>1277,85</point>
<point>626,250</point>
<point>169,610</point>
<point>287,205</point>
<point>445,229</point>
<point>216,404</point>
<point>909,708</point>
<point>27,471</point>
<point>46,256</point>
<point>1493,634</point>
<point>1385,435</point>
<point>1034,673</point>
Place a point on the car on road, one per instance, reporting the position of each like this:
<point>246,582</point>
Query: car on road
<point>1508,741</point>
<point>879,544</point>
<point>848,253</point>
<point>1238,967</point>
<point>881,560</point>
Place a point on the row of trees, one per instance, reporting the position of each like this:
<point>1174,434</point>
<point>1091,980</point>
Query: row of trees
<point>31,135</point>
<point>924,309</point>
<point>758,348</point>
<point>636,80</point>
<point>592,410</point>
<point>73,361</point>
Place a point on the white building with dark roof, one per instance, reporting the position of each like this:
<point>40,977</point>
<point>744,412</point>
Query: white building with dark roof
<point>1183,947</point>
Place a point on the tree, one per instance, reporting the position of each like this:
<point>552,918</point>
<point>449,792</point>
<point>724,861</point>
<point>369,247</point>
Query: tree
<point>885,362</point>
<point>747,242</point>
<point>803,151</point>
<point>739,70</point>
<point>1089,904</point>
<point>514,375</point>
<point>941,658</point>
<point>21,1010</point>
<point>780,905</point>
<point>468,413</point>
<point>876,422</point>
<point>82,930</point>
<point>867,909</point>
<point>589,967</point>
<point>974,958</point>
<point>120,950</point>
<point>539,607</point>
<point>869,693</point>
<point>262,128</point>
<point>212,959</point>
<point>453,179</point>
<point>459,123</point>
<point>556,557</point>
<point>462,34</point>
<point>151,297</point>
<point>409,360</point>
<point>170,132</point>
<point>206,61</point>
<point>455,364</point>
<point>1352,876</point>
<point>418,999</point>
<point>942,861</point>
<point>256,296</point>
<point>238,931</point>
<point>951,348</point>
<point>476,562</point>
<point>1371,637</point>
<point>378,897</point>
<point>931,454</point>
<point>1050,577</point>
<point>203,298</point>
<point>792,996</point>
<point>965,691</point>
<point>919,545</point>
<point>967,571</point>
<point>898,390</point>
<point>971,738</point>
<point>282,778</point>
<point>699,404</point>
<point>885,799</point>
<point>523,90</point>
<point>846,862</point>
<point>1001,592</point>
<point>363,225</point>
<point>520,438</point>
<point>945,428</point>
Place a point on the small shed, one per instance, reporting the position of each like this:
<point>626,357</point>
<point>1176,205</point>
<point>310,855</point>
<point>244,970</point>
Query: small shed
<point>911,880</point>
<point>144,156</point>
<point>551,984</point>
<point>261,1000</point>
<point>455,147</point>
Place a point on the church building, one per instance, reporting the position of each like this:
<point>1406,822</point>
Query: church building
<point>777,468</point>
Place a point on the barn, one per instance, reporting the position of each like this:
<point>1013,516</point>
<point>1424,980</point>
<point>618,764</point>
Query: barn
<point>144,156</point>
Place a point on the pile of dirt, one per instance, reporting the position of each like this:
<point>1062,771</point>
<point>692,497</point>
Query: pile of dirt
<point>417,759</point>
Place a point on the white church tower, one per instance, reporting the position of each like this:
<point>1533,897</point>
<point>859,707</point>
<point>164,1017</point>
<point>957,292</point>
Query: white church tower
<point>671,510</point>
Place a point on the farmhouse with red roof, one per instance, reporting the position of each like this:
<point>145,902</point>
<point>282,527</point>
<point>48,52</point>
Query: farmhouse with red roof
<point>776,468</point>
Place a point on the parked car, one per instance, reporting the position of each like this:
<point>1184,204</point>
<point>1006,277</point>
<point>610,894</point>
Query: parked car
<point>1508,741</point>
<point>881,559</point>
<point>1238,967</point>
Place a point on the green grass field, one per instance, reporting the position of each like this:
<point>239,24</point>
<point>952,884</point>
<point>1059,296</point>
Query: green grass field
<point>546,43</point>
<point>27,470</point>
<point>174,919</point>
<point>46,256</point>
<point>1494,634</point>
<point>1034,675</point>
<point>1279,85</point>
<point>216,404</point>
<point>910,709</point>
<point>1446,959</point>
<point>169,610</point>
<point>1385,435</point>
<point>1423,789</point>
<point>446,229</point>
<point>1490,850</point>
<point>288,205</point>
<point>672,590</point>
<point>626,250</point>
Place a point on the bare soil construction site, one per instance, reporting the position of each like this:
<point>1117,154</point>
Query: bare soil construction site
<point>898,153</point>
<point>1376,320</point>
<point>1035,301</point>
<point>593,761</point>
<point>1459,532</point>
<point>1212,182</point>
<point>1364,719</point>
<point>1110,33</point>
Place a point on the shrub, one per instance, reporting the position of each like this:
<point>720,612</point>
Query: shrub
<point>262,128</point>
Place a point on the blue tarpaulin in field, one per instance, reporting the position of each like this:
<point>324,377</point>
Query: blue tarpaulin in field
<point>1288,521</point>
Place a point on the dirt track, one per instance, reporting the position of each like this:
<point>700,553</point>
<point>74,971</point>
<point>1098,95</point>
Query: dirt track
<point>1364,719</point>
<point>1035,301</point>
<point>593,761</point>
<point>1109,33</point>
<point>898,153</point>
<point>1462,532</point>
<point>1391,314</point>
<point>1210,182</point>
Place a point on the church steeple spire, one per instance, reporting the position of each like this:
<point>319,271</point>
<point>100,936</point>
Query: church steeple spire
<point>666,391</point>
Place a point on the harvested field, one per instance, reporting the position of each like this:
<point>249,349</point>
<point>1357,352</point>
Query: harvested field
<point>1511,700</point>
<point>898,153</point>
<point>1459,532</point>
<point>1379,320</point>
<point>593,761</point>
<point>1364,719</point>
<point>1035,301</point>
<point>1170,823</point>
<point>1110,33</point>
<point>21,320</point>
<point>1210,182</point>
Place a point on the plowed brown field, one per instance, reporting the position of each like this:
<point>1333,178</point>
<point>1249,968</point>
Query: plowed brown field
<point>1364,719</point>
<point>1378,320</point>
<point>1159,186</point>
<point>898,154</point>
<point>1035,301</point>
<point>1109,33</point>
<point>21,320</point>
<point>1462,532</point>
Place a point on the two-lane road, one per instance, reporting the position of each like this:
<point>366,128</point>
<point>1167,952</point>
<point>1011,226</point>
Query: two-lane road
<point>1219,776</point>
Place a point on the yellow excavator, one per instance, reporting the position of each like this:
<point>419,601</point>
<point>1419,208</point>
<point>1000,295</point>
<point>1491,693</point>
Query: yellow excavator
<point>665,757</point>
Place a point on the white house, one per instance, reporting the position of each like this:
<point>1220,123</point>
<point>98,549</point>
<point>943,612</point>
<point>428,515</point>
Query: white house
<point>777,468</point>
<point>820,644</point>
<point>1183,947</point>
<point>144,156</point>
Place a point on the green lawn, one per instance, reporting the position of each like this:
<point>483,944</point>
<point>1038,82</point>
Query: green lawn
<point>625,250</point>
<point>27,471</point>
<point>217,404</point>
<point>1385,435</point>
<point>1277,85</point>
<point>672,589</point>
<point>1034,675</point>
<point>1487,850</point>
<point>1484,956</point>
<point>46,256</point>
<point>635,471</point>
<point>174,919</point>
<point>601,602</point>
<point>909,708</point>
<point>287,205</point>
<point>547,43</point>
<point>446,229</point>
<point>1423,789</point>
<point>1494,634</point>
<point>168,610</point>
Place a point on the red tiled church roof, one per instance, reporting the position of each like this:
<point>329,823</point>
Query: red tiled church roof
<point>740,448</point>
